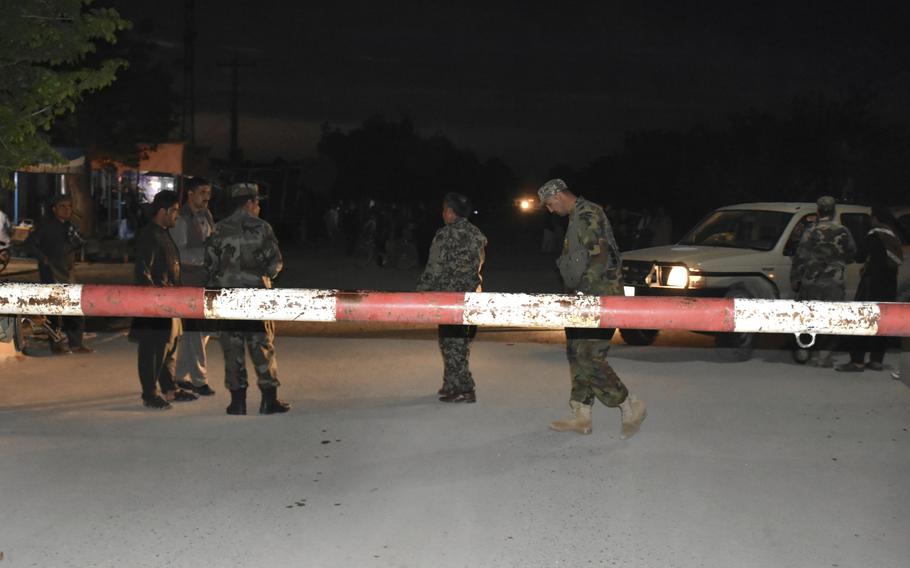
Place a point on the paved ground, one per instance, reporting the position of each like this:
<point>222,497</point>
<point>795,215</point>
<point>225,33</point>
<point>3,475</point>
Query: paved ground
<point>739,464</point>
<point>758,464</point>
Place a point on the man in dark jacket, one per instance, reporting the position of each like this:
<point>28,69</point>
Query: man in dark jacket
<point>158,264</point>
<point>883,254</point>
<point>55,244</point>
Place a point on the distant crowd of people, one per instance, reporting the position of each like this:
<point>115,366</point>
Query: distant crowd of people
<point>393,234</point>
<point>631,229</point>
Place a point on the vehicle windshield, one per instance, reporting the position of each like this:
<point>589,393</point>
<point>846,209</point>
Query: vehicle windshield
<point>759,230</point>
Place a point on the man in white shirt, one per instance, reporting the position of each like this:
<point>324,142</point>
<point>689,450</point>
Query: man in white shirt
<point>194,226</point>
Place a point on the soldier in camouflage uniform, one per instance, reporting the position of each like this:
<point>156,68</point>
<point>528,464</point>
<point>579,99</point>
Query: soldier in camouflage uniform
<point>243,253</point>
<point>454,265</point>
<point>819,266</point>
<point>590,264</point>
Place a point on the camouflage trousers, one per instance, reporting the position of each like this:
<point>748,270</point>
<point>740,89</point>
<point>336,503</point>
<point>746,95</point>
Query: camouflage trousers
<point>592,375</point>
<point>455,346</point>
<point>257,337</point>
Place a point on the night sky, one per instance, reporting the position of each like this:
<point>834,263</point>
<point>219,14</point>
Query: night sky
<point>534,86</point>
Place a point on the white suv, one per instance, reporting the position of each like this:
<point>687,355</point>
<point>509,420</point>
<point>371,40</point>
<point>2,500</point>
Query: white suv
<point>739,251</point>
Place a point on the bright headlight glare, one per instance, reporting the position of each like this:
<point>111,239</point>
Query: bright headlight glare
<point>678,277</point>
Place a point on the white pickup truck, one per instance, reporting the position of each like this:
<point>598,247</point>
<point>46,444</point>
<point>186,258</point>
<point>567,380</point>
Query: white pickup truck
<point>739,251</point>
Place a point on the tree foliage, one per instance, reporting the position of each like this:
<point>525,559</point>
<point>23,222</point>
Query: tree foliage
<point>43,45</point>
<point>139,107</point>
<point>390,161</point>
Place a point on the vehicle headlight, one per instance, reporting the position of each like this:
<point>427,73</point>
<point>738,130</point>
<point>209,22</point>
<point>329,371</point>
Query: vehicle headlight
<point>696,279</point>
<point>678,277</point>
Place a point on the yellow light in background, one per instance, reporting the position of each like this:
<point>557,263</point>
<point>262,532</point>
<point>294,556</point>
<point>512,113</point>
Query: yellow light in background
<point>525,205</point>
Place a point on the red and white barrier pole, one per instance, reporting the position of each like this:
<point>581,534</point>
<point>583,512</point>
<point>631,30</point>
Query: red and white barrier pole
<point>483,309</point>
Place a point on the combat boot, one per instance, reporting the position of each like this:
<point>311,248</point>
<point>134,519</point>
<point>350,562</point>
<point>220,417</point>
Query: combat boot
<point>633,414</point>
<point>270,403</point>
<point>238,402</point>
<point>579,422</point>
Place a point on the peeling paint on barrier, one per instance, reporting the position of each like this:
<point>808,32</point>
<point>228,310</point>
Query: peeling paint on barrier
<point>542,311</point>
<point>531,310</point>
<point>280,304</point>
<point>38,299</point>
<point>788,316</point>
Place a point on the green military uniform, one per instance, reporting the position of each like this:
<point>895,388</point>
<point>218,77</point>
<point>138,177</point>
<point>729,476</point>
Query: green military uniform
<point>821,260</point>
<point>243,253</point>
<point>454,265</point>
<point>819,268</point>
<point>591,264</point>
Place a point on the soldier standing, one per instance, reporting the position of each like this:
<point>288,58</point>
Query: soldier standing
<point>158,264</point>
<point>590,264</point>
<point>454,265</point>
<point>819,265</point>
<point>194,226</point>
<point>55,244</point>
<point>243,253</point>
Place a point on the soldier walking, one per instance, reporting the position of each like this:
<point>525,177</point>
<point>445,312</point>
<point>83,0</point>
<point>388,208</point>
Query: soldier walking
<point>194,225</point>
<point>819,266</point>
<point>243,253</point>
<point>590,264</point>
<point>455,261</point>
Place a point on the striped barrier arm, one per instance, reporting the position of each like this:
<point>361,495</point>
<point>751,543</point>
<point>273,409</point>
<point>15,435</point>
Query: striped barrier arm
<point>544,311</point>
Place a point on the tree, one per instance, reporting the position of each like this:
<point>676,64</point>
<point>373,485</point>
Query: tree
<point>140,107</point>
<point>391,161</point>
<point>43,44</point>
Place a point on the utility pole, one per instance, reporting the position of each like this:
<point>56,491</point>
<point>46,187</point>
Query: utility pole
<point>234,155</point>
<point>188,127</point>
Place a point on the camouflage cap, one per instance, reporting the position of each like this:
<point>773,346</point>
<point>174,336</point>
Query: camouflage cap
<point>550,189</point>
<point>245,189</point>
<point>826,204</point>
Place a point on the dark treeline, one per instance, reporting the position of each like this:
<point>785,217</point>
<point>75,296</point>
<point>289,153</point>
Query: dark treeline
<point>817,146</point>
<point>390,161</point>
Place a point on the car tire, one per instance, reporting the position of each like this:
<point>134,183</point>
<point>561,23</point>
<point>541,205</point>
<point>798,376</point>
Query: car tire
<point>739,346</point>
<point>639,336</point>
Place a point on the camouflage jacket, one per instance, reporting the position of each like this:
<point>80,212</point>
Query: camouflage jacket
<point>824,251</point>
<point>456,259</point>
<point>590,262</point>
<point>242,252</point>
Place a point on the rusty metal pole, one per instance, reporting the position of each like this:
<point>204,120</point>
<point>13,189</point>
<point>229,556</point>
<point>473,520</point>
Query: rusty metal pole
<point>546,311</point>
